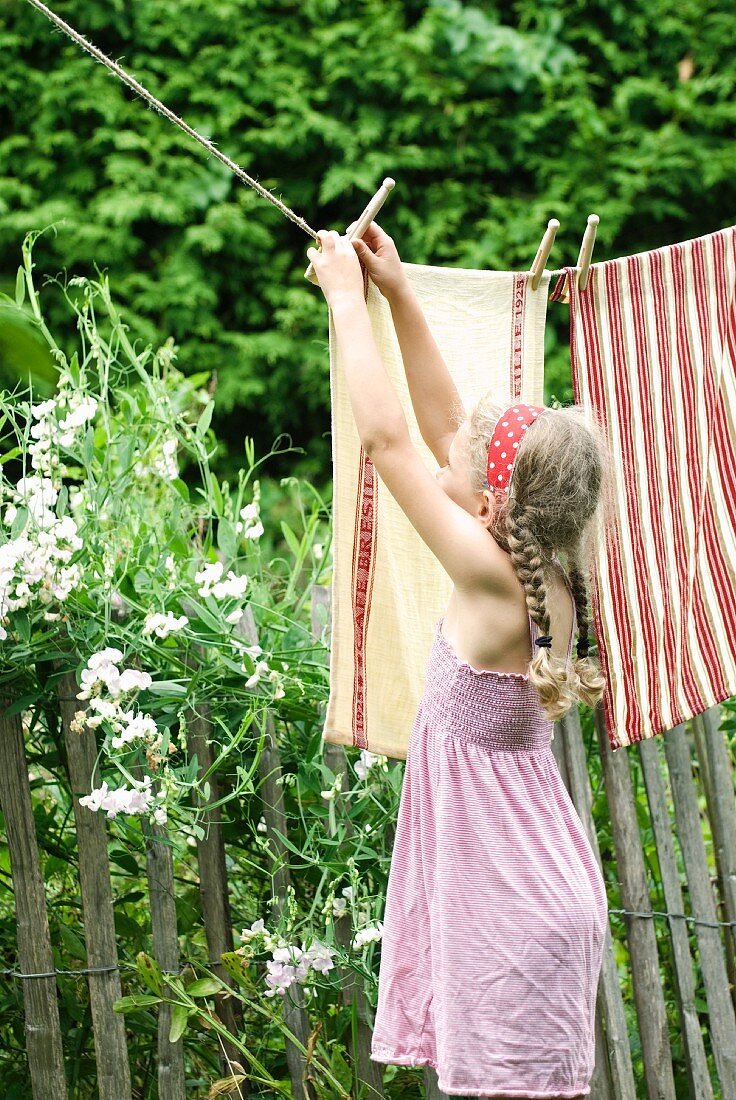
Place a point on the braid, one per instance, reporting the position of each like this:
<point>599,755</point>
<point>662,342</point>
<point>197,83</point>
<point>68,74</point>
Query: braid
<point>592,682</point>
<point>553,680</point>
<point>580,594</point>
<point>528,562</point>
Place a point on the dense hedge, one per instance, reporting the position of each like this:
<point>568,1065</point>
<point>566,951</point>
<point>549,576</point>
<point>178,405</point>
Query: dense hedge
<point>492,119</point>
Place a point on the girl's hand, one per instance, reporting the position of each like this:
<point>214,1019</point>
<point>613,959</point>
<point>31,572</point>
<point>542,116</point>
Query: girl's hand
<point>337,267</point>
<point>378,253</point>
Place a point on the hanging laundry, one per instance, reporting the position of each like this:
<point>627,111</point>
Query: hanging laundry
<point>653,352</point>
<point>388,589</point>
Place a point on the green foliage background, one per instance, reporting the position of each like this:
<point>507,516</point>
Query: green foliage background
<point>492,119</point>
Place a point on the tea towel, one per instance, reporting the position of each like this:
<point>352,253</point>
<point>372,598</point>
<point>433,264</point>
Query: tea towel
<point>653,352</point>
<point>388,589</point>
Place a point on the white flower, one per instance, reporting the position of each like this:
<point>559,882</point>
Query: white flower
<point>366,761</point>
<point>234,586</point>
<point>138,726</point>
<point>254,532</point>
<point>46,407</point>
<point>255,930</point>
<point>126,800</point>
<point>249,512</point>
<point>368,935</point>
<point>163,625</point>
<point>80,415</point>
<point>207,576</point>
<point>104,656</point>
<point>104,707</point>
<point>132,679</point>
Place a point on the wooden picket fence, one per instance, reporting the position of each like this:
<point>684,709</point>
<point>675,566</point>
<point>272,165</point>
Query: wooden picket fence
<point>680,965</point>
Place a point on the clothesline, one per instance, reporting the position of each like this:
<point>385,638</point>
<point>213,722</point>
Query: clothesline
<point>172,117</point>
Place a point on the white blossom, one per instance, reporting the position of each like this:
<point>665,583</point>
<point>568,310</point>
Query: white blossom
<point>163,625</point>
<point>135,800</point>
<point>368,935</point>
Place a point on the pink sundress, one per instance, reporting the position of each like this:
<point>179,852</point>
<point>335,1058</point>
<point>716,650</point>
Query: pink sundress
<point>496,908</point>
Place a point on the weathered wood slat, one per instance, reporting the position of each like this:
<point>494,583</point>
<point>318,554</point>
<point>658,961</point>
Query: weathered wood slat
<point>296,1017</point>
<point>716,769</point>
<point>213,888</point>
<point>613,1077</point>
<point>699,1081</point>
<point>641,938</point>
<point>111,1051</point>
<point>160,876</point>
<point>712,961</point>
<point>352,991</point>
<point>42,1028</point>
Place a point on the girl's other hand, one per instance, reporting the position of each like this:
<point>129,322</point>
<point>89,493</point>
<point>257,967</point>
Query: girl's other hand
<point>377,251</point>
<point>336,267</point>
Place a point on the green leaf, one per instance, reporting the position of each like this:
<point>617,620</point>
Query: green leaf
<point>135,1000</point>
<point>22,623</point>
<point>167,687</point>
<point>181,487</point>
<point>20,287</point>
<point>204,421</point>
<point>19,522</point>
<point>226,539</point>
<point>150,972</point>
<point>89,445</point>
<point>204,987</point>
<point>179,1019</point>
<point>291,539</point>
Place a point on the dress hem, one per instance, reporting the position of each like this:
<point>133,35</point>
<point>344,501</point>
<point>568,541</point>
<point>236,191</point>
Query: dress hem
<point>411,1060</point>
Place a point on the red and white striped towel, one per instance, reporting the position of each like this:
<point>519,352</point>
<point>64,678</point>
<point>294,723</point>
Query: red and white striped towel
<point>653,352</point>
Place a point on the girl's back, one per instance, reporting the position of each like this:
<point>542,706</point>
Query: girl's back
<point>490,628</point>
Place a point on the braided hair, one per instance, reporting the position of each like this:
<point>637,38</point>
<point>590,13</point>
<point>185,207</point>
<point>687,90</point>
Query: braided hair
<point>558,503</point>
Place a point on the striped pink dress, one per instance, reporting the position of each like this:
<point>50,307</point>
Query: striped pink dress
<point>496,908</point>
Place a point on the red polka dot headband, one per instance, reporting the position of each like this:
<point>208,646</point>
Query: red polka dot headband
<point>504,445</point>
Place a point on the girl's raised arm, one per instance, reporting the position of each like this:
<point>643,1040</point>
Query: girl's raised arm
<point>433,393</point>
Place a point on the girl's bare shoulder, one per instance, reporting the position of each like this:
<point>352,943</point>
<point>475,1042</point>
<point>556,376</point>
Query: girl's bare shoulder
<point>491,629</point>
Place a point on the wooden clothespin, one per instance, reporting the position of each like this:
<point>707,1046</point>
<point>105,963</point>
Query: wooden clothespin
<point>586,250</point>
<point>540,260</point>
<point>364,220</point>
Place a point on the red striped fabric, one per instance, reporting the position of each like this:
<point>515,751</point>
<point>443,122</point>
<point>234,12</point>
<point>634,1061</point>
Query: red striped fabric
<point>653,352</point>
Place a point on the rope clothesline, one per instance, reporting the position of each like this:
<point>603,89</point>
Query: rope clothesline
<point>218,962</point>
<point>172,117</point>
<point>164,110</point>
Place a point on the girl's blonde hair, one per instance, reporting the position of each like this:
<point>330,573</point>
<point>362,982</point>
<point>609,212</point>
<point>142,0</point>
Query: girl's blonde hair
<point>559,503</point>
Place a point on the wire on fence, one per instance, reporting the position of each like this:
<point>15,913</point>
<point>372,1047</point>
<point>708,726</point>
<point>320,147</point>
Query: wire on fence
<point>218,962</point>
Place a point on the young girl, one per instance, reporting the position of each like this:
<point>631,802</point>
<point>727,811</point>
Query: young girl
<point>496,908</point>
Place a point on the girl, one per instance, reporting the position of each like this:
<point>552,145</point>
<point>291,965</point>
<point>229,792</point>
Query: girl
<point>496,909</point>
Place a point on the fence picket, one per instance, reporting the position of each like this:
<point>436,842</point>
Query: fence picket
<point>712,962</point>
<point>160,875</point>
<point>213,890</point>
<point>613,1076</point>
<point>697,1065</point>
<point>111,1050</point>
<point>42,1026</point>
<point>642,942</point>
<point>716,765</point>
<point>352,991</point>
<point>296,1017</point>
